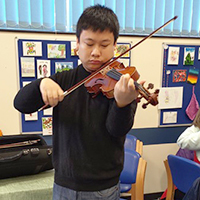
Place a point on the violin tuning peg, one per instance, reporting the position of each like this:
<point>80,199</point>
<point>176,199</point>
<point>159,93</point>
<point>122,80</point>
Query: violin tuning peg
<point>144,106</point>
<point>150,86</point>
<point>156,91</point>
<point>138,99</point>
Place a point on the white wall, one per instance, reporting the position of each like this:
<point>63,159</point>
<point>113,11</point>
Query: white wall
<point>147,58</point>
<point>156,178</point>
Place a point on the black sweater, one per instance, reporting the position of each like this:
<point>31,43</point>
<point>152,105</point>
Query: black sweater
<point>88,133</point>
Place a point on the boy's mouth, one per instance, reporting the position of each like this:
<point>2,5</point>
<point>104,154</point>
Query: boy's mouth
<point>95,62</point>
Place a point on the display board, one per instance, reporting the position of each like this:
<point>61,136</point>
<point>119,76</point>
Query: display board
<point>179,96</point>
<point>42,58</point>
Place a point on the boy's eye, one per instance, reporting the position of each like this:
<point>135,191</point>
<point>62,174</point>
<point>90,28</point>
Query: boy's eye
<point>89,44</point>
<point>104,45</point>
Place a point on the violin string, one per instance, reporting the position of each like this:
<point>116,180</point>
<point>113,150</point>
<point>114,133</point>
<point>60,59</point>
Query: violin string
<point>113,73</point>
<point>140,87</point>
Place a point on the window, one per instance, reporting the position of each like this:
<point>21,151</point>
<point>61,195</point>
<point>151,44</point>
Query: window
<point>136,17</point>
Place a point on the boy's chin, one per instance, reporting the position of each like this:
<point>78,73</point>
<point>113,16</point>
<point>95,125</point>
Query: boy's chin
<point>92,68</point>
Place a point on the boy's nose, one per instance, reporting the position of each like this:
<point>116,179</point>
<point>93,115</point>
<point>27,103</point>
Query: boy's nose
<point>96,52</point>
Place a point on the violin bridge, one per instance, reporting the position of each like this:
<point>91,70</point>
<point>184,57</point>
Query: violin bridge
<point>105,70</point>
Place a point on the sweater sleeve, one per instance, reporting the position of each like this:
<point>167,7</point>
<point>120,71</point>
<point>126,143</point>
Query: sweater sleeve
<point>120,120</point>
<point>190,139</point>
<point>29,99</point>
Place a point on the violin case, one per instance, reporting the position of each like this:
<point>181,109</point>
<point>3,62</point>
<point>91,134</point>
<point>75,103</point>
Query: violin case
<point>25,154</point>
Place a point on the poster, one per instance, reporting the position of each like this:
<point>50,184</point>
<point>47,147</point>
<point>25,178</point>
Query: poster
<point>48,111</point>
<point>27,67</point>
<point>56,50</point>
<point>121,48</point>
<point>170,97</point>
<point>173,56</point>
<point>193,75</point>
<point>63,66</point>
<point>31,48</point>
<point>74,51</point>
<point>169,117</point>
<point>43,68</point>
<point>47,125</point>
<point>31,117</point>
<point>179,75</point>
<point>189,56</point>
<point>199,54</point>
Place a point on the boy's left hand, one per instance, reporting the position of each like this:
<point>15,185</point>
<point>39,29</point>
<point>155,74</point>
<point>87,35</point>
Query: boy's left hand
<point>124,91</point>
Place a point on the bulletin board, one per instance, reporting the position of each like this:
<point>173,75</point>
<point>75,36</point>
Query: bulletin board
<point>42,58</point>
<point>179,97</point>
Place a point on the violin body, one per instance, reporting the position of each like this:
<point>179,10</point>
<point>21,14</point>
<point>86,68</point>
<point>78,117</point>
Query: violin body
<point>104,83</point>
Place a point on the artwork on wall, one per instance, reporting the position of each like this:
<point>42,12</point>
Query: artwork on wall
<point>27,67</point>
<point>63,66</point>
<point>169,117</point>
<point>173,56</point>
<point>170,97</point>
<point>199,54</point>
<point>56,50</point>
<point>189,55</point>
<point>73,48</point>
<point>43,68</point>
<point>32,48</point>
<point>121,48</point>
<point>193,75</point>
<point>31,117</point>
<point>47,125</point>
<point>48,111</point>
<point>179,75</point>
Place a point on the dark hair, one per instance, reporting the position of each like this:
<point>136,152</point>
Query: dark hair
<point>196,121</point>
<point>96,18</point>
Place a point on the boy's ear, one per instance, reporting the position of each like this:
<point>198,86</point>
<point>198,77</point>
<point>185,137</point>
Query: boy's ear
<point>77,44</point>
<point>115,44</point>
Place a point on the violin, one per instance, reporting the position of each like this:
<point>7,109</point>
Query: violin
<point>104,79</point>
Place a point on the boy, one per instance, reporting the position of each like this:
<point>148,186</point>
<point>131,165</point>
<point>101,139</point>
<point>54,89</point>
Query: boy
<point>88,133</point>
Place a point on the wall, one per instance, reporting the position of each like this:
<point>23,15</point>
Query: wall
<point>147,58</point>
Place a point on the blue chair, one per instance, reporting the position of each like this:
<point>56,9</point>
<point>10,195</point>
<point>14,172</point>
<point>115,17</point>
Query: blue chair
<point>181,172</point>
<point>133,175</point>
<point>132,143</point>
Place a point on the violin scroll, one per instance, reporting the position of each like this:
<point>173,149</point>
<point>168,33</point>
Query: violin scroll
<point>152,98</point>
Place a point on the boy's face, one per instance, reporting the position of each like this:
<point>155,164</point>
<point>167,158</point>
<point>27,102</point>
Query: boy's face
<point>95,48</point>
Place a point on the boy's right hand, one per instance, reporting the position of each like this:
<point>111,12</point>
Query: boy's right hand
<point>51,92</point>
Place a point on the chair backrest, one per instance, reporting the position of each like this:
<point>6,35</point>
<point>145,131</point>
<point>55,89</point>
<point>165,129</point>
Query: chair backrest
<point>129,172</point>
<point>132,143</point>
<point>184,172</point>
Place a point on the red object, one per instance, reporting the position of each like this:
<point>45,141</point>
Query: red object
<point>195,158</point>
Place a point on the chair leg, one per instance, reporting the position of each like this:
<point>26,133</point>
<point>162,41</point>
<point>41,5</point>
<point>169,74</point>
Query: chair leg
<point>132,191</point>
<point>137,190</point>
<point>170,186</point>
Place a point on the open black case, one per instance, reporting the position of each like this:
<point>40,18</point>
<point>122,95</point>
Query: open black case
<point>25,154</point>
